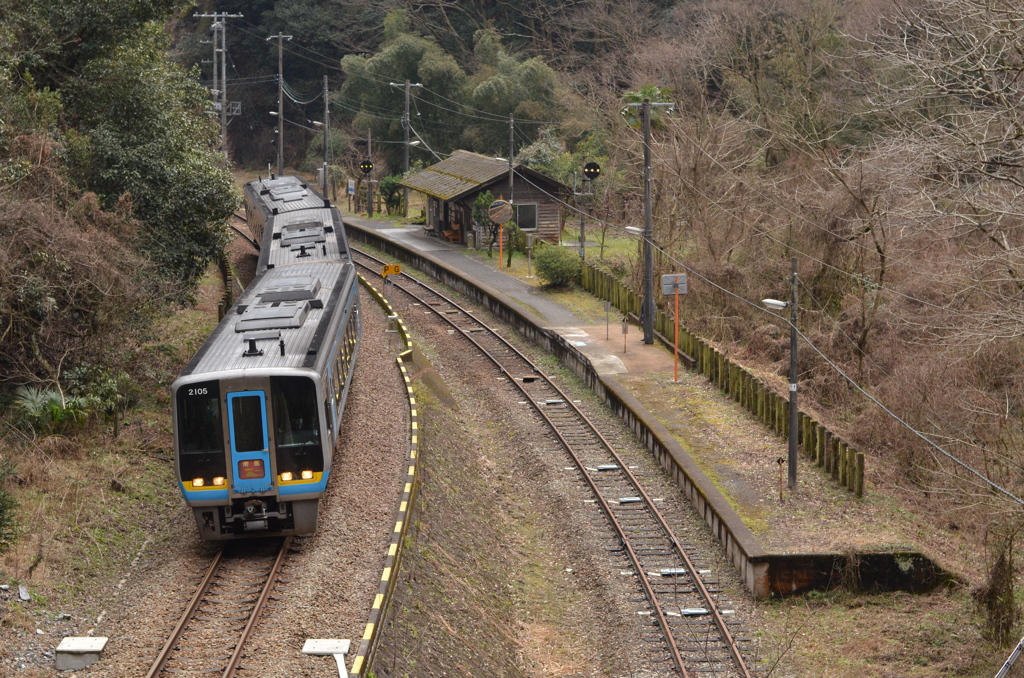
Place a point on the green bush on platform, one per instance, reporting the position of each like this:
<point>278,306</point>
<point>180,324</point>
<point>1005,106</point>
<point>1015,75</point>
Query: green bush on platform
<point>558,265</point>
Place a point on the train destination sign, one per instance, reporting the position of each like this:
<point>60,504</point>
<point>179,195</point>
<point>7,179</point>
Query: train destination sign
<point>500,211</point>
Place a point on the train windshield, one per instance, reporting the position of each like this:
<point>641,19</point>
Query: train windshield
<point>296,425</point>
<point>200,433</point>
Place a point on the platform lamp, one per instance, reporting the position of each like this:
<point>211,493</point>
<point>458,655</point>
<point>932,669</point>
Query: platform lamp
<point>777,305</point>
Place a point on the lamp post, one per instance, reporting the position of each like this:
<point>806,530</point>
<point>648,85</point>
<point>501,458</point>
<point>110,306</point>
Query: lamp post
<point>777,305</point>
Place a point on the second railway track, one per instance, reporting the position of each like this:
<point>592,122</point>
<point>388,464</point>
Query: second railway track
<point>697,634</point>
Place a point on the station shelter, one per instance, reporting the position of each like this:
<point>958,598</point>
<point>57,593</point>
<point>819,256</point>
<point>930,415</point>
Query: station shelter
<point>452,186</point>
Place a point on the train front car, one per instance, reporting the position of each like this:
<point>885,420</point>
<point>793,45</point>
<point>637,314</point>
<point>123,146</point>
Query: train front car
<point>256,412</point>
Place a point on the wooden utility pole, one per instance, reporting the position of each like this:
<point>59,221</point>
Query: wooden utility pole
<point>280,98</point>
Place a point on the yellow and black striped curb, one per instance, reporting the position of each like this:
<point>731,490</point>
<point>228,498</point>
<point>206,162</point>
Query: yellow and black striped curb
<point>368,644</point>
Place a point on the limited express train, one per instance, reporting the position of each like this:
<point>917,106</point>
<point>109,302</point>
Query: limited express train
<point>257,410</point>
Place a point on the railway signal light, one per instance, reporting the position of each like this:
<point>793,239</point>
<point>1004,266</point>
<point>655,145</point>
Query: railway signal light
<point>591,171</point>
<point>366,166</point>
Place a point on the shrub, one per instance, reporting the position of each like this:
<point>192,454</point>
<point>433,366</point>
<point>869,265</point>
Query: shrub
<point>392,192</point>
<point>558,265</point>
<point>48,411</point>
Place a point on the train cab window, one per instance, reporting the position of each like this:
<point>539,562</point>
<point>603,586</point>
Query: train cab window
<point>200,432</point>
<point>247,417</point>
<point>296,424</point>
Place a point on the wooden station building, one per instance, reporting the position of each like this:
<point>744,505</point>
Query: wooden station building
<point>452,185</point>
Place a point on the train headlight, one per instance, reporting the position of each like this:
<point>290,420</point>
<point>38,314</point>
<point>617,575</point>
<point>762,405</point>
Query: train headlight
<point>287,475</point>
<point>307,475</point>
<point>198,482</point>
<point>219,481</point>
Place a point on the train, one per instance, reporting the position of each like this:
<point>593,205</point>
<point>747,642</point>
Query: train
<point>257,411</point>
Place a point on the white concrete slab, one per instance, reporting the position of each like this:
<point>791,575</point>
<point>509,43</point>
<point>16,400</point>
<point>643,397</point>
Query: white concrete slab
<point>78,652</point>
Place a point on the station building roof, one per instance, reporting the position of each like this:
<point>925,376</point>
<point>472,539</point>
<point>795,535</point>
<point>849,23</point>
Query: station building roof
<point>463,173</point>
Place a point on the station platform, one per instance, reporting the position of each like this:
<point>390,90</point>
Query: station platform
<point>783,541</point>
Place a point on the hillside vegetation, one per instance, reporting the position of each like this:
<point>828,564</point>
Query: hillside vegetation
<point>113,205</point>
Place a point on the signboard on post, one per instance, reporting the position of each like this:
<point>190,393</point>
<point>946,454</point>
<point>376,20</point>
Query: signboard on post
<point>675,282</point>
<point>391,269</point>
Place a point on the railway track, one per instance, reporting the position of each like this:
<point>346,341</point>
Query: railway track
<point>210,636</point>
<point>694,632</point>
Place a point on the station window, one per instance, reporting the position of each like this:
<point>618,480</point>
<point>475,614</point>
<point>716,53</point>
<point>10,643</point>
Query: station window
<point>526,217</point>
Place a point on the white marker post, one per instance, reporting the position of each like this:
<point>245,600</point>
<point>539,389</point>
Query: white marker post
<point>329,646</point>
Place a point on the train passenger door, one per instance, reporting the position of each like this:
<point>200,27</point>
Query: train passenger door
<point>250,450</point>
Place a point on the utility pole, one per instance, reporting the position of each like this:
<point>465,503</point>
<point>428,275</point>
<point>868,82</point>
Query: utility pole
<point>280,98</point>
<point>793,416</point>
<point>223,84</point>
<point>369,178</point>
<point>405,126</point>
<point>327,131</point>
<point>648,305</point>
<point>220,80</point>
<point>511,152</point>
<point>648,231</point>
<point>583,217</point>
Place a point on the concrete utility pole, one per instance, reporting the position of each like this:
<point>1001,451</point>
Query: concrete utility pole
<point>648,305</point>
<point>280,98</point>
<point>511,152</point>
<point>369,177</point>
<point>220,80</point>
<point>327,131</point>
<point>648,231</point>
<point>793,416</point>
<point>405,126</point>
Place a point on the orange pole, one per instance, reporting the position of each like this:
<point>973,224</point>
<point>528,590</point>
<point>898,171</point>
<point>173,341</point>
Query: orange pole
<point>501,246</point>
<point>676,366</point>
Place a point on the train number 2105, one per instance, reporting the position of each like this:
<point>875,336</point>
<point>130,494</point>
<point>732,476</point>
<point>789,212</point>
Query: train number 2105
<point>197,391</point>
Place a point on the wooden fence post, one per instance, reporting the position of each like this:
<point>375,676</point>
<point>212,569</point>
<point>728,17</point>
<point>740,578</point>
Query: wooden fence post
<point>841,453</point>
<point>859,487</point>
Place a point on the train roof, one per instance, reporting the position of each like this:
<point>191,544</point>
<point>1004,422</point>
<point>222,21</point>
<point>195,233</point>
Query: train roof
<point>306,236</point>
<point>285,194</point>
<point>293,304</point>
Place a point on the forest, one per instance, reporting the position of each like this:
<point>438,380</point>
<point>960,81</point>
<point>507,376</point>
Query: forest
<point>878,142</point>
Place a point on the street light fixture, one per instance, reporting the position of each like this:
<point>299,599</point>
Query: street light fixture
<point>777,305</point>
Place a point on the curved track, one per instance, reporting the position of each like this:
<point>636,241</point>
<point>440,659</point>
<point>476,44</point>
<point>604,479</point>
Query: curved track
<point>210,636</point>
<point>695,632</point>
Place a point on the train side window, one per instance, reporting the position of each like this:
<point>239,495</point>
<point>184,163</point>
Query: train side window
<point>296,424</point>
<point>200,431</point>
